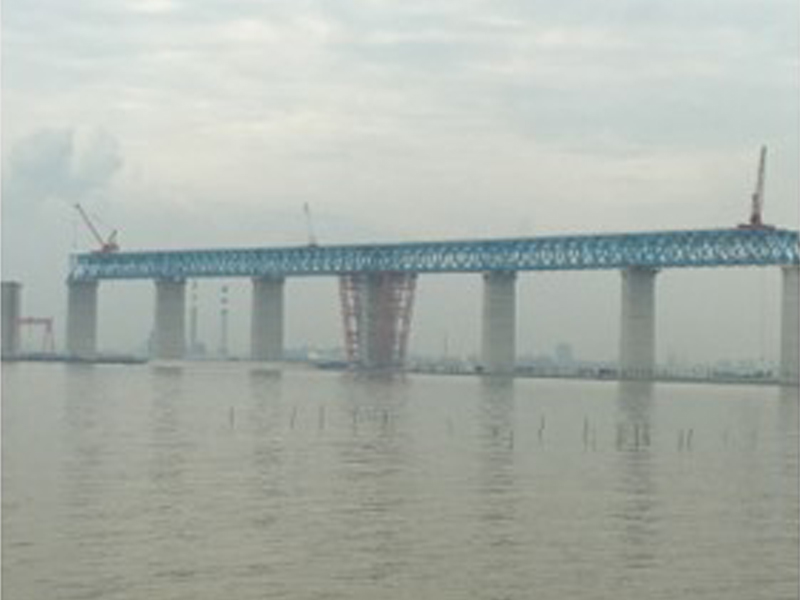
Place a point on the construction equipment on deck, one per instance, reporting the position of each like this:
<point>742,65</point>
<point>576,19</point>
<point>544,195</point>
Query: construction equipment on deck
<point>106,245</point>
<point>312,239</point>
<point>757,199</point>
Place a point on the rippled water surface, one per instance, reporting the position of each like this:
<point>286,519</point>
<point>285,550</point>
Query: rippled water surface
<point>217,481</point>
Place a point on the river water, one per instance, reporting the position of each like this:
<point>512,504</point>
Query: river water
<point>211,481</point>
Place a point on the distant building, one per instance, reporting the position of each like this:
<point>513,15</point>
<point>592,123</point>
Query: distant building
<point>11,307</point>
<point>563,355</point>
<point>223,325</point>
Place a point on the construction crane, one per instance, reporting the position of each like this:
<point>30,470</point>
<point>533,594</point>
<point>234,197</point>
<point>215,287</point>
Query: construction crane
<point>757,199</point>
<point>107,245</point>
<point>312,239</point>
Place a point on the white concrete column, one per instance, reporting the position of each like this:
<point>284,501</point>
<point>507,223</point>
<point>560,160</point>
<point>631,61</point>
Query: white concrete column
<point>266,326</point>
<point>169,342</point>
<point>11,306</point>
<point>82,319</point>
<point>790,326</point>
<point>637,349</point>
<point>369,323</point>
<point>193,341</point>
<point>499,322</point>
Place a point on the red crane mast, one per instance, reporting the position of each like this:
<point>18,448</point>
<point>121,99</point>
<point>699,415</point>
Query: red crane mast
<point>108,245</point>
<point>757,198</point>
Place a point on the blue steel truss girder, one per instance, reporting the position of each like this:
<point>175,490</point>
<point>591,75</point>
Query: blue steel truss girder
<point>659,250</point>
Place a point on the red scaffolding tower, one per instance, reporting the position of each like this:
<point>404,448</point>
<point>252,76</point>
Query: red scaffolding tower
<point>376,313</point>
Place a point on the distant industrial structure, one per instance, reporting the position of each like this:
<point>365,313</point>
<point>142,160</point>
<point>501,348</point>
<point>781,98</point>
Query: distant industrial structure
<point>11,308</point>
<point>13,324</point>
<point>46,324</point>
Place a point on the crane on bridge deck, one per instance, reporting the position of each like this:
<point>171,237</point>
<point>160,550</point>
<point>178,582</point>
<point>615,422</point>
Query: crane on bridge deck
<point>106,245</point>
<point>757,199</point>
<point>312,239</point>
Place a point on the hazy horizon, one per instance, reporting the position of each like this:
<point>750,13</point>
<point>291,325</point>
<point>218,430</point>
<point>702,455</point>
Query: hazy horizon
<point>205,124</point>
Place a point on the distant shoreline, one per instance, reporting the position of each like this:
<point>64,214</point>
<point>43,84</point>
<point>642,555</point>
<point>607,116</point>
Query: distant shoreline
<point>342,367</point>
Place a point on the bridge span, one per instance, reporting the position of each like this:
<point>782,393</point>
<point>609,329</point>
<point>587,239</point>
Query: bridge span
<point>377,287</point>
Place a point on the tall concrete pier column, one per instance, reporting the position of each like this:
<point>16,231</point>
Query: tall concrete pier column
<point>375,344</point>
<point>366,288</point>
<point>11,303</point>
<point>790,326</point>
<point>386,302</point>
<point>498,347</point>
<point>266,327</point>
<point>169,342</point>
<point>82,319</point>
<point>637,348</point>
<point>376,310</point>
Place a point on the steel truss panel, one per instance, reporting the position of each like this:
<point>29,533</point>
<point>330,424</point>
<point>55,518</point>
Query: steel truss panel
<point>667,249</point>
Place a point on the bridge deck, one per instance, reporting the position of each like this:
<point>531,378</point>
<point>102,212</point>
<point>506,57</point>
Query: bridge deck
<point>666,249</point>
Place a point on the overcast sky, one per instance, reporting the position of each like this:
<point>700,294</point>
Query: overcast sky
<point>206,123</point>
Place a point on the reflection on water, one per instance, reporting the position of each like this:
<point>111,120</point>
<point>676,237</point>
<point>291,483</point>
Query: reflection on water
<point>496,426</point>
<point>638,510</point>
<point>169,447</point>
<point>498,494</point>
<point>85,448</point>
<point>372,478</point>
<point>788,461</point>
<point>635,408</point>
<point>205,481</point>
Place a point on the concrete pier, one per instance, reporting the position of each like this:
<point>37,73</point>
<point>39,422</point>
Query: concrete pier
<point>169,342</point>
<point>498,345</point>
<point>376,331</point>
<point>375,324</point>
<point>366,287</point>
<point>376,310</point>
<point>266,327</point>
<point>790,326</point>
<point>194,342</point>
<point>11,303</point>
<point>637,349</point>
<point>82,319</point>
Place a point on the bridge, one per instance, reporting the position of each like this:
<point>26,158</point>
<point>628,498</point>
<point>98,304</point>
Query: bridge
<point>377,286</point>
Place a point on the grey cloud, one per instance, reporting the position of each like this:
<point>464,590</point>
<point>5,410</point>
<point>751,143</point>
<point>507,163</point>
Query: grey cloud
<point>38,168</point>
<point>96,165</point>
<point>55,164</point>
<point>450,54</point>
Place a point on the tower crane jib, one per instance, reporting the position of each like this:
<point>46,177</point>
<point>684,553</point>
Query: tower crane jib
<point>107,245</point>
<point>757,198</point>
